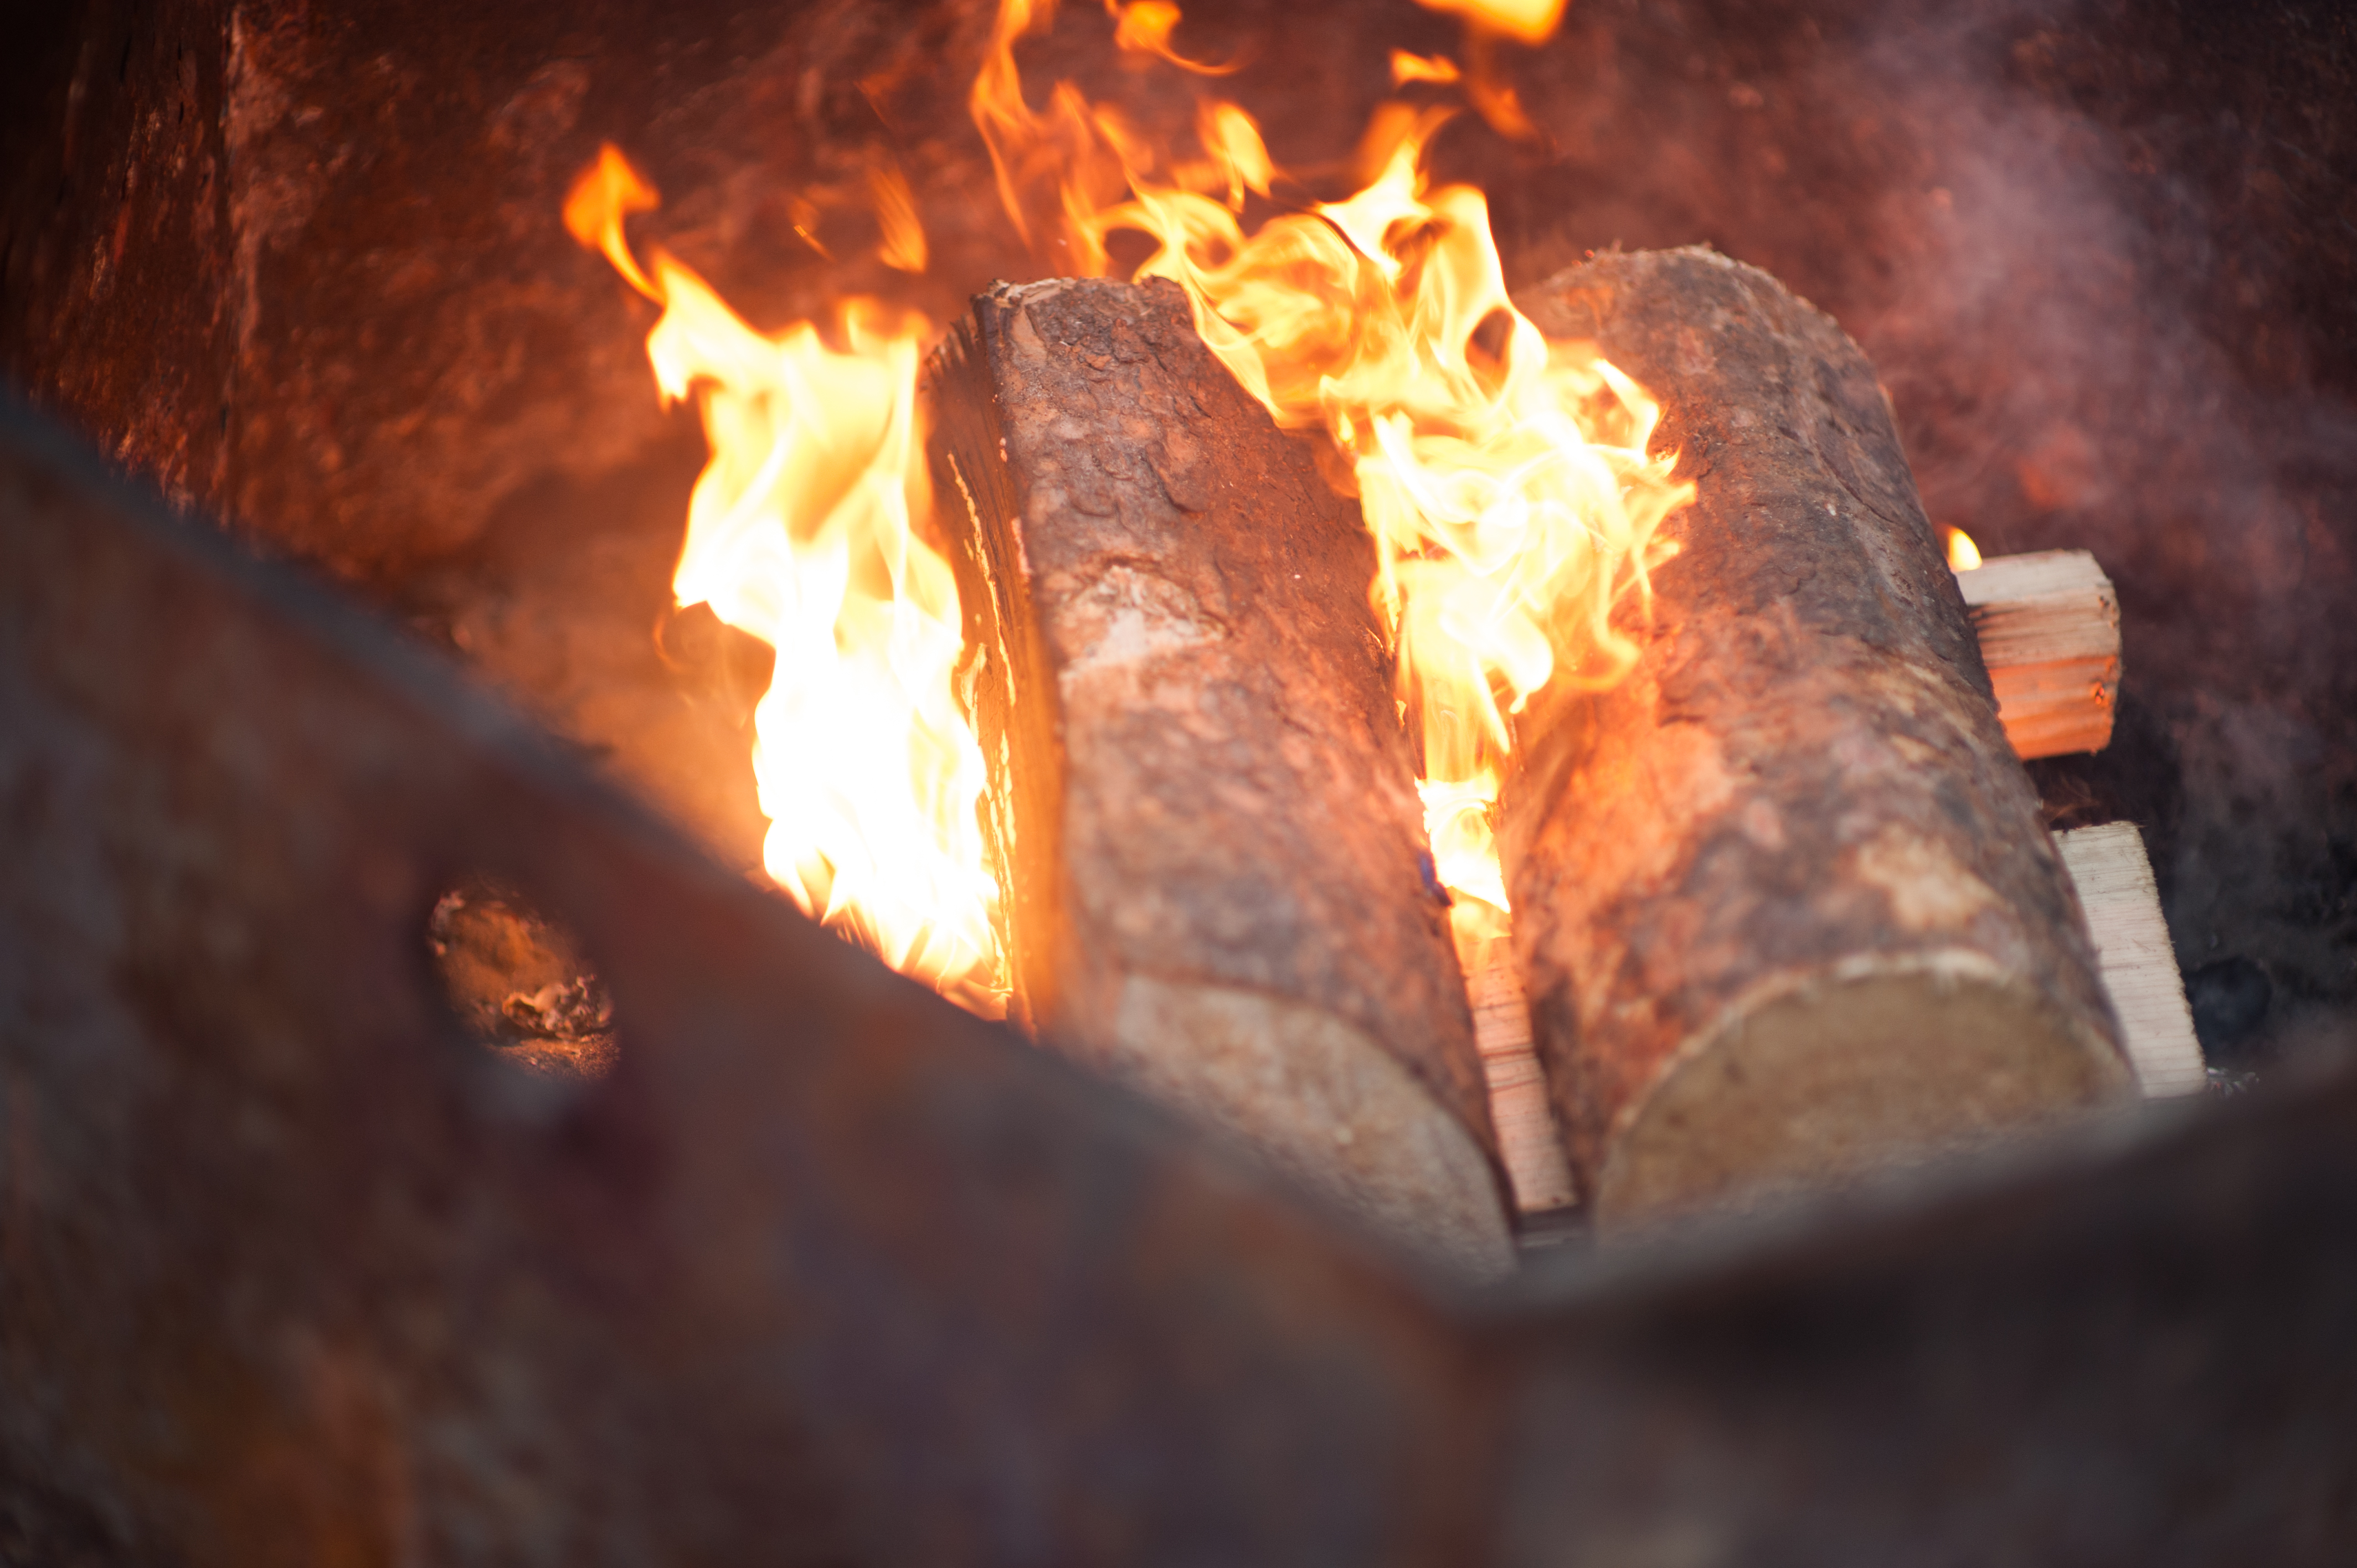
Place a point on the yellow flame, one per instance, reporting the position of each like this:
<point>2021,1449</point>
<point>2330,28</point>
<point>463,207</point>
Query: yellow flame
<point>1962,554</point>
<point>1233,144</point>
<point>1067,152</point>
<point>807,529</point>
<point>1507,480</point>
<point>1528,21</point>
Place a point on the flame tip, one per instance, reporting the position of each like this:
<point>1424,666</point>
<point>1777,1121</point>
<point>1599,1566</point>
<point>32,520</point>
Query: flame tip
<point>1507,480</point>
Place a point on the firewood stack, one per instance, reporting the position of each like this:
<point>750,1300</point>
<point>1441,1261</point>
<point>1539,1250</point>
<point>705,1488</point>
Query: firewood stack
<point>1784,907</point>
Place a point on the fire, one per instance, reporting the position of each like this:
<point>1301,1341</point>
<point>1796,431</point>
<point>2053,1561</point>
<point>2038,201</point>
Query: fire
<point>1407,68</point>
<point>1506,479</point>
<point>807,529</point>
<point>896,214</point>
<point>1530,21</point>
<point>1962,554</point>
<point>1144,26</point>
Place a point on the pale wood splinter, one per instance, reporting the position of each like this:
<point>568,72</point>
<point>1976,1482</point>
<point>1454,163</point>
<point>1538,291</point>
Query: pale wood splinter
<point>2116,888</point>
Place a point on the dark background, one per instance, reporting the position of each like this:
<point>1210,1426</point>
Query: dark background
<point>300,266</point>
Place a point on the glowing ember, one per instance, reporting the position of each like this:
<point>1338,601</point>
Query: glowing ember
<point>1505,478</point>
<point>805,531</point>
<point>1962,554</point>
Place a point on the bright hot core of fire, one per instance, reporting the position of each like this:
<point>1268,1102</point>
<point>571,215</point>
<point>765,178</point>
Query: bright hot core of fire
<point>805,530</point>
<point>1505,478</point>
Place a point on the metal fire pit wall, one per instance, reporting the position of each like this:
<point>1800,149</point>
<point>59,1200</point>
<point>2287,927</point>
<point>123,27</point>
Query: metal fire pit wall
<point>826,1271</point>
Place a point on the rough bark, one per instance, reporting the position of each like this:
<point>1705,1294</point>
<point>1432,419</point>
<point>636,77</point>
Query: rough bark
<point>1785,907</point>
<point>1205,809</point>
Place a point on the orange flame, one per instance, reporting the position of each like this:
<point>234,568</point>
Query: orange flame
<point>1506,479</point>
<point>1065,150</point>
<point>1487,21</point>
<point>1962,554</point>
<point>608,191</point>
<point>1144,26</point>
<point>895,216</point>
<point>805,530</point>
<point>1407,68</point>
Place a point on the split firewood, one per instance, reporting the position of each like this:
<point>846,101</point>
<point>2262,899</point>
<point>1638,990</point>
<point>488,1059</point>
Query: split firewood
<point>1203,809</point>
<point>2115,887</point>
<point>2048,627</point>
<point>1532,1150</point>
<point>1786,911</point>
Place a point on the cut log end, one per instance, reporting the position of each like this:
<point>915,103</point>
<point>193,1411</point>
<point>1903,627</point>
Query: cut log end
<point>1315,1098</point>
<point>1839,1081</point>
<point>2049,629</point>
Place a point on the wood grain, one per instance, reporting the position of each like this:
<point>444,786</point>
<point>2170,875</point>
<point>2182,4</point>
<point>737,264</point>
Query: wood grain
<point>2049,629</point>
<point>2115,887</point>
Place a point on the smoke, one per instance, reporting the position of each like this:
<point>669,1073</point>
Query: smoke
<point>2101,263</point>
<point>2070,372</point>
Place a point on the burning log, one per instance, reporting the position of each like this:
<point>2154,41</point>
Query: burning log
<point>2048,627</point>
<point>1784,904</point>
<point>1216,885</point>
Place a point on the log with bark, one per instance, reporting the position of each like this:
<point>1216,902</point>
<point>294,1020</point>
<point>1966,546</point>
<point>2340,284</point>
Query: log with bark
<point>1203,810</point>
<point>1784,905</point>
